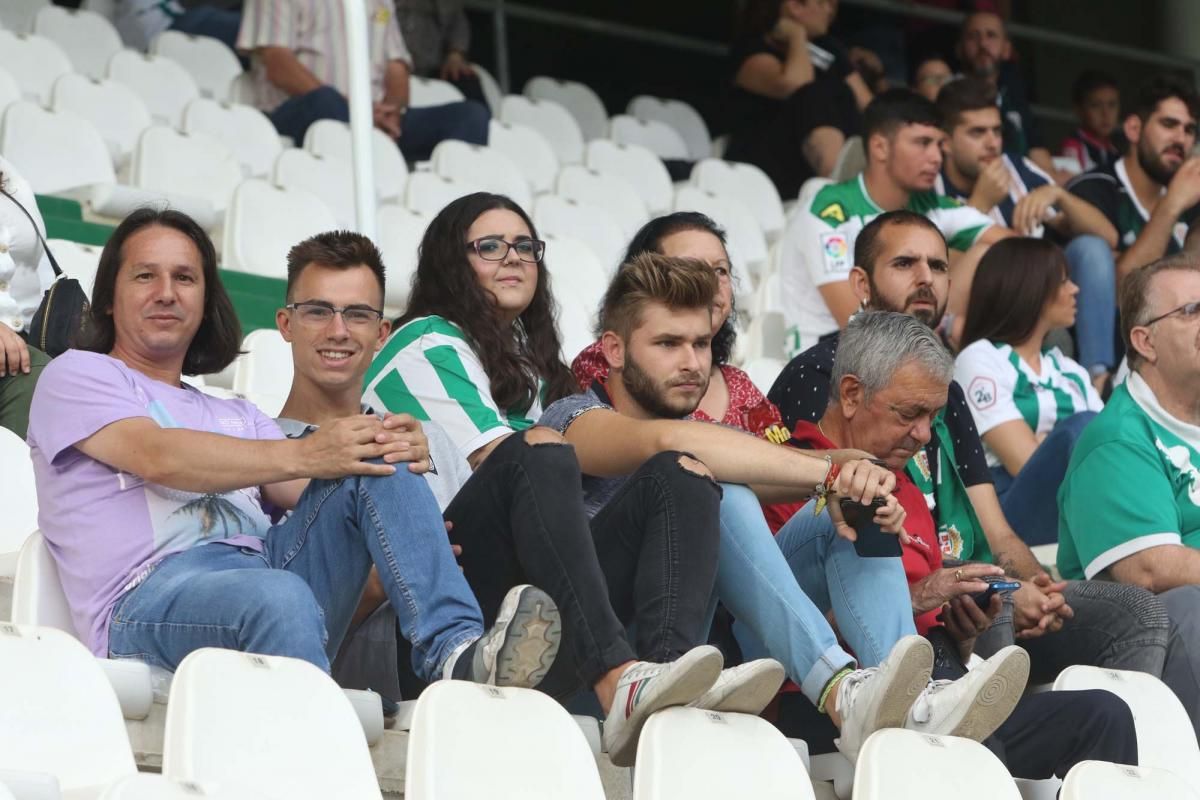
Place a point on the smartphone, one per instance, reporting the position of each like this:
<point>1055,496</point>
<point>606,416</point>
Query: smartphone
<point>872,542</point>
<point>996,583</point>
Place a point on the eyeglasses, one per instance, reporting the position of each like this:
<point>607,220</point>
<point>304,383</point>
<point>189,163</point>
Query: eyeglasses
<point>493,248</point>
<point>1189,311</point>
<point>317,314</point>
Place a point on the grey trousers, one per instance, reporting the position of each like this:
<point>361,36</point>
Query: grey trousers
<point>1182,670</point>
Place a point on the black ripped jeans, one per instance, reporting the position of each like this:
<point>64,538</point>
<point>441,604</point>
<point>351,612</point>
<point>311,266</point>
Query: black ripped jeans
<point>647,559</point>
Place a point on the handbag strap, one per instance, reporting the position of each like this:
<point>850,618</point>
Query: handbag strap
<point>37,231</point>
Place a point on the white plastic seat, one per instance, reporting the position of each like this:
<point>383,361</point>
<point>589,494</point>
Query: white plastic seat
<point>428,193</point>
<point>331,139</point>
<point>18,15</point>
<point>263,222</point>
<point>576,270</point>
<point>277,726</point>
<point>56,151</point>
<point>644,171</point>
<point>10,92</point>
<point>58,714</point>
<point>745,184</point>
<point>212,65</point>
<point>424,92</point>
<point>330,179</point>
<point>548,118</point>
<point>1101,780</point>
<point>528,149</point>
<point>578,98</point>
<point>851,160</point>
<point>147,786</point>
<point>657,137</point>
<point>79,261</point>
<point>611,192</point>
<point>18,498</point>
<point>400,231</point>
<point>1165,735</point>
<point>244,130</point>
<point>590,224</point>
<point>38,597</point>
<point>164,86</point>
<point>898,764</point>
<point>763,371</point>
<point>33,61</point>
<point>191,165</point>
<point>88,39</point>
<point>746,243</point>
<point>492,92</point>
<point>519,743</point>
<point>680,117</point>
<point>484,166</point>
<point>263,373</point>
<point>117,112</point>
<point>687,753</point>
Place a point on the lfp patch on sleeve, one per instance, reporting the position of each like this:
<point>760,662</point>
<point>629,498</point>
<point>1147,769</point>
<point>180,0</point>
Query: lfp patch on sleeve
<point>982,392</point>
<point>835,249</point>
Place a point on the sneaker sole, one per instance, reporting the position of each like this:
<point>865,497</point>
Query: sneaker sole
<point>996,698</point>
<point>531,638</point>
<point>692,674</point>
<point>753,693</point>
<point>915,660</point>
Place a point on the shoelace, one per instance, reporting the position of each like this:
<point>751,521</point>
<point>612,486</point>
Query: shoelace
<point>847,690</point>
<point>921,709</point>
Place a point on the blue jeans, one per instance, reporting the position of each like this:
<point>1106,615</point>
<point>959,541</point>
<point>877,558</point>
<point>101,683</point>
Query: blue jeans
<point>778,588</point>
<point>218,23</point>
<point>421,129</point>
<point>1030,500</point>
<point>296,598</point>
<point>1094,270</point>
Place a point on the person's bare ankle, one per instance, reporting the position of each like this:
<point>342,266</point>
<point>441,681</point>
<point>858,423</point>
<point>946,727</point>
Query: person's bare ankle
<point>606,687</point>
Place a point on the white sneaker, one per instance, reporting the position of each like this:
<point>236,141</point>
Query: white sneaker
<point>975,705</point>
<point>880,697</point>
<point>744,689</point>
<point>520,647</point>
<point>645,688</point>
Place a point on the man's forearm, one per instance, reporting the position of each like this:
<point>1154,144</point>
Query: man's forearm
<point>1151,243</point>
<point>1008,551</point>
<point>736,457</point>
<point>286,73</point>
<point>196,461</point>
<point>1083,217</point>
<point>396,84</point>
<point>1159,569</point>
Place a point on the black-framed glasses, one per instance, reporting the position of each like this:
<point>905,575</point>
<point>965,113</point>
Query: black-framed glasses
<point>493,248</point>
<point>1189,311</point>
<point>317,313</point>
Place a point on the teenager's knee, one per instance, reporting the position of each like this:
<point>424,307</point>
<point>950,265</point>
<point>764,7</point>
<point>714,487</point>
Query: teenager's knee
<point>695,466</point>
<point>541,435</point>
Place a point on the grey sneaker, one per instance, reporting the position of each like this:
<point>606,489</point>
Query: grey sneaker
<point>744,689</point>
<point>646,687</point>
<point>880,697</point>
<point>975,705</point>
<point>521,646</point>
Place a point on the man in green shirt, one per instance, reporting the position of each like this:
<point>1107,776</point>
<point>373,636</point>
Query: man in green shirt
<point>1130,502</point>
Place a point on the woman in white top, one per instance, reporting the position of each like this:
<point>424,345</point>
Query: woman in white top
<point>24,274</point>
<point>1029,402</point>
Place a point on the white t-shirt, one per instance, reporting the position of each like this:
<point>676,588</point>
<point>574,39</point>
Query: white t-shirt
<point>25,271</point>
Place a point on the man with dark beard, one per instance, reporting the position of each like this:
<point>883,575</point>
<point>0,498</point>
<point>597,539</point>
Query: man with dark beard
<point>1151,193</point>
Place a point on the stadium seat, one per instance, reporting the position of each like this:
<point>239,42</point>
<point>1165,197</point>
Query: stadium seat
<point>263,373</point>
<point>264,221</point>
<point>58,714</point>
<point>244,130</point>
<point>56,151</point>
<point>77,260</point>
<point>688,753</point>
<point>851,160</point>
<point>657,137</point>
<point>746,242</point>
<point>611,192</point>
<point>575,322</point>
<point>277,726</point>
<point>400,231</point>
<point>330,179</point>
<point>577,98</point>
<point>584,222</point>
<point>38,597</point>
<point>1165,735</point>
<point>492,92</point>
<point>34,62</point>
<point>18,15</point>
<point>18,498</point>
<point>212,65</point>
<point>193,171</point>
<point>529,150</point>
<point>763,371</point>
<point>1101,780</point>
<point>428,193</point>
<point>678,115</point>
<point>575,269</point>
<point>164,86</point>
<point>10,92</point>
<point>117,113</point>
<point>897,764</point>
<point>745,184</point>
<point>548,118</point>
<point>423,92</point>
<point>147,786</point>
<point>515,744</point>
<point>485,166</point>
<point>636,164</point>
<point>88,39</point>
<point>331,139</point>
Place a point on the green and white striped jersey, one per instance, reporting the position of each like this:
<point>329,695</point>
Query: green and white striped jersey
<point>1001,387</point>
<point>429,369</point>
<point>818,248</point>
